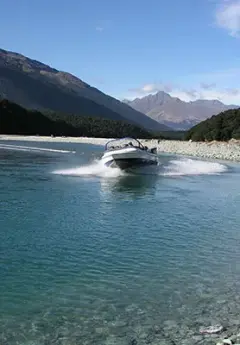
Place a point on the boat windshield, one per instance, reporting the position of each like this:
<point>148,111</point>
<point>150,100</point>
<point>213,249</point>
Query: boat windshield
<point>122,143</point>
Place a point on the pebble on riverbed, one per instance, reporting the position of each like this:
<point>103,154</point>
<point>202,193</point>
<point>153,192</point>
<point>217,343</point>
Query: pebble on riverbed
<point>212,329</point>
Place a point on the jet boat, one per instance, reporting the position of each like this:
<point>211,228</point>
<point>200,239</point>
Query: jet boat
<point>128,153</point>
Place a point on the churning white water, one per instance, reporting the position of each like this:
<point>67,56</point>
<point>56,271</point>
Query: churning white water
<point>178,167</point>
<point>193,167</point>
<point>175,167</point>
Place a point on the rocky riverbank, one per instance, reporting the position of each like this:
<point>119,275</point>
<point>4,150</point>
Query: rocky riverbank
<point>212,150</point>
<point>229,150</point>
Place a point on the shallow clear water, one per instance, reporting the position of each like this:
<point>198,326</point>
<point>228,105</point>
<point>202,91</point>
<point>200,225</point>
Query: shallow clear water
<point>93,256</point>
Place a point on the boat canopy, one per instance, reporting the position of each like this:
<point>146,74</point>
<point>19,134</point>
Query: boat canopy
<point>123,142</point>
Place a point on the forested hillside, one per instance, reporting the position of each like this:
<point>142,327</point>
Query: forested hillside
<point>222,127</point>
<point>15,119</point>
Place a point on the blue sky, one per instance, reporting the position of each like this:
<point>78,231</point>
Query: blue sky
<point>189,48</point>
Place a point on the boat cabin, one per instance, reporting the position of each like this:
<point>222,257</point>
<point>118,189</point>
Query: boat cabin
<point>117,144</point>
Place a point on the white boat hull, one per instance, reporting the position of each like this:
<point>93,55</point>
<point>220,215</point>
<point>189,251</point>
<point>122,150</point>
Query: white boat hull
<point>129,158</point>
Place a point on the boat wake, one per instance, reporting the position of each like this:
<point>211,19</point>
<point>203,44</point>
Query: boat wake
<point>97,168</point>
<point>178,167</point>
<point>31,148</point>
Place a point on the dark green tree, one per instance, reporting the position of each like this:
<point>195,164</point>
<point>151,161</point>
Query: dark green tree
<point>222,127</point>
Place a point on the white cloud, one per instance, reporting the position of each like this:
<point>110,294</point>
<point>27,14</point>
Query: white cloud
<point>204,91</point>
<point>227,96</point>
<point>150,89</point>
<point>228,17</point>
<point>145,89</point>
<point>103,25</point>
<point>99,28</point>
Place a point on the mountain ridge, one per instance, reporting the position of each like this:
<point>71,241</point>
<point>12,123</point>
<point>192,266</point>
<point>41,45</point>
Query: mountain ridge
<point>176,113</point>
<point>34,85</point>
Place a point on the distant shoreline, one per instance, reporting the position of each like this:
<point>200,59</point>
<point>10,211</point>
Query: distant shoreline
<point>229,150</point>
<point>87,140</point>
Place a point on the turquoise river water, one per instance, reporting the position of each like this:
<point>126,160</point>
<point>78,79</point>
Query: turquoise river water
<point>90,255</point>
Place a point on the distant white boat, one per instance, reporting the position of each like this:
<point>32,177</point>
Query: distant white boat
<point>126,153</point>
